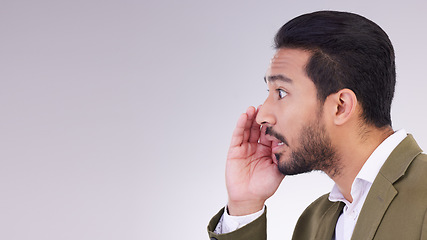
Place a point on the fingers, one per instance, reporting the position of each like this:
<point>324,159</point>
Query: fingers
<point>251,113</point>
<point>238,133</point>
<point>255,129</point>
<point>246,128</point>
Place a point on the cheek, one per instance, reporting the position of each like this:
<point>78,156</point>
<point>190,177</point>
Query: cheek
<point>291,122</point>
<point>292,117</point>
<point>289,127</point>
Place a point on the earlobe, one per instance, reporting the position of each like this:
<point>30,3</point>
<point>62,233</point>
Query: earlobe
<point>345,102</point>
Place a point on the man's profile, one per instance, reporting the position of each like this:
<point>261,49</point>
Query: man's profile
<point>331,84</point>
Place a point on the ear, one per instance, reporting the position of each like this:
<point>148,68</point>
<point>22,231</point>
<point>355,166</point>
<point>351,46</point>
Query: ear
<point>342,106</point>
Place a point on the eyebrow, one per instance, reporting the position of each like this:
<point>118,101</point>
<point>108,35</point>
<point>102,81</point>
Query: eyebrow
<point>279,77</point>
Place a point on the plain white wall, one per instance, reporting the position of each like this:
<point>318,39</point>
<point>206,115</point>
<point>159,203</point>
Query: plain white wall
<point>115,116</point>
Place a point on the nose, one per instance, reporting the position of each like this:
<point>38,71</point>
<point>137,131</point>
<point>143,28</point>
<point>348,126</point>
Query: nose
<point>266,115</point>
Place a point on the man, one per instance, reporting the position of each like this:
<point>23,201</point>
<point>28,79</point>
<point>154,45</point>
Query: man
<point>331,84</point>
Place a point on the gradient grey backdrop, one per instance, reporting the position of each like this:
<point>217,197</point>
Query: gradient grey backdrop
<point>115,116</point>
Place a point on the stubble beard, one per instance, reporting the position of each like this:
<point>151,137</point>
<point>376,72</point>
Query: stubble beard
<point>315,152</point>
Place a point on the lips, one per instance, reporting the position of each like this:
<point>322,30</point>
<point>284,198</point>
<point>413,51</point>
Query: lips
<point>275,137</point>
<point>276,146</point>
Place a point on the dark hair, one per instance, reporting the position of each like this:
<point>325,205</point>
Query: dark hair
<point>348,51</point>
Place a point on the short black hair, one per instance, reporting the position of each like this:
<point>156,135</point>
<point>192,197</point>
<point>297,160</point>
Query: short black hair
<point>348,51</point>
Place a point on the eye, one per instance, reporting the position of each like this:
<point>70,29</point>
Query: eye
<point>282,93</point>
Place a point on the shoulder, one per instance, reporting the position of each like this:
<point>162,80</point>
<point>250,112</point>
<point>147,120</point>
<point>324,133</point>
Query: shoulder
<point>413,183</point>
<point>319,206</point>
<point>419,164</point>
<point>415,174</point>
<point>421,159</point>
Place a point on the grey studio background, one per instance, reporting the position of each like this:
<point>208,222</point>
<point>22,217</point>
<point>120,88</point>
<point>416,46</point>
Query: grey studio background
<point>115,116</point>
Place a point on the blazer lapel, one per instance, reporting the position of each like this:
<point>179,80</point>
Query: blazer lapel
<point>382,191</point>
<point>329,220</point>
<point>376,204</point>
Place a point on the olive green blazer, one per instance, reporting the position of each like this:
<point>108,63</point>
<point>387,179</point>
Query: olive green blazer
<point>395,208</point>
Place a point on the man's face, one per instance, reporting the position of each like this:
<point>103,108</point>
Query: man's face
<point>292,116</point>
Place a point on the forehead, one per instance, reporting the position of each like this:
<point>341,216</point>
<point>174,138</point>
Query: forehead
<point>289,63</point>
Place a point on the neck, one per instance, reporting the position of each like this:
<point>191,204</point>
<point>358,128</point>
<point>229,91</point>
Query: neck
<point>354,152</point>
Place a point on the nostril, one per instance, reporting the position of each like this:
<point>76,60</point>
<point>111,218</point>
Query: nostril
<point>266,124</point>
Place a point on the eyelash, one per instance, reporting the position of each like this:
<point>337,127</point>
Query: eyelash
<point>279,91</point>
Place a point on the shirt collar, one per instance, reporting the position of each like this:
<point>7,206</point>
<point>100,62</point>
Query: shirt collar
<point>377,159</point>
<point>373,164</point>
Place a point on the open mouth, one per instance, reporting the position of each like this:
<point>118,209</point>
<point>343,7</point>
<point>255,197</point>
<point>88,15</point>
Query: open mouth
<point>278,139</point>
<point>277,146</point>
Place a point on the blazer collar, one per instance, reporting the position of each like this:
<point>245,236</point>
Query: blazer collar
<point>382,191</point>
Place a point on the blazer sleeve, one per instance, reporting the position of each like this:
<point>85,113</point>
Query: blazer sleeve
<point>256,230</point>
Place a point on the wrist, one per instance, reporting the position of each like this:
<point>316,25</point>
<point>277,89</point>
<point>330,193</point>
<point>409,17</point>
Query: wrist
<point>242,208</point>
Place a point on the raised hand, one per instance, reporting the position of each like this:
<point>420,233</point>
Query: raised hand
<point>251,174</point>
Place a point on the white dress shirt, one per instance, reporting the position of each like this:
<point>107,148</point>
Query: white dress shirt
<point>359,190</point>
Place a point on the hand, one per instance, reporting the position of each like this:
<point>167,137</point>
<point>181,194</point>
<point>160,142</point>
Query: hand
<point>251,175</point>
